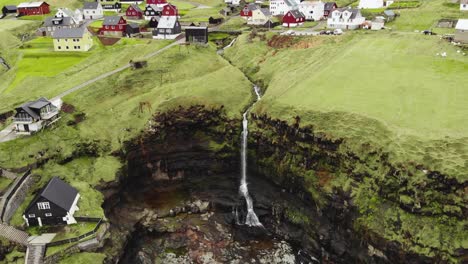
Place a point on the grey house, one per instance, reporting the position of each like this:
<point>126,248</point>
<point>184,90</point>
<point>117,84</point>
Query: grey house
<point>35,115</point>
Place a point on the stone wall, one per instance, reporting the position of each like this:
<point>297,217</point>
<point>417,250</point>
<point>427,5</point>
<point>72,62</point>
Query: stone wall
<point>18,198</point>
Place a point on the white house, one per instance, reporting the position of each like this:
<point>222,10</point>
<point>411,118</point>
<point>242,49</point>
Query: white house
<point>464,5</point>
<point>461,33</point>
<point>312,10</point>
<point>35,115</point>
<point>281,7</point>
<point>232,2</point>
<point>92,10</point>
<point>346,19</point>
<point>378,23</point>
<point>260,16</point>
<point>374,3</point>
<point>76,16</point>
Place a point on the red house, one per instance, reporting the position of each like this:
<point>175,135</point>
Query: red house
<point>246,12</point>
<point>170,10</point>
<point>156,2</point>
<point>113,26</point>
<point>293,18</point>
<point>33,8</point>
<point>134,12</point>
<point>328,8</point>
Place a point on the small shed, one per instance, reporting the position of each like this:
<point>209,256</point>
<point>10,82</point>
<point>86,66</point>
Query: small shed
<point>132,29</point>
<point>196,34</point>
<point>389,15</point>
<point>225,11</point>
<point>461,33</point>
<point>378,23</point>
<point>9,9</point>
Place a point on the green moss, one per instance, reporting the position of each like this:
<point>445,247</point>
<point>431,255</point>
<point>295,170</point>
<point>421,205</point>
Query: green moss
<point>296,216</point>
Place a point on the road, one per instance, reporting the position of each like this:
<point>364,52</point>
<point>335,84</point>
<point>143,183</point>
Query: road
<point>8,134</point>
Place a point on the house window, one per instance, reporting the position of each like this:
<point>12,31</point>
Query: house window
<point>31,215</point>
<point>59,47</point>
<point>48,214</point>
<point>113,27</point>
<point>67,47</point>
<point>43,206</point>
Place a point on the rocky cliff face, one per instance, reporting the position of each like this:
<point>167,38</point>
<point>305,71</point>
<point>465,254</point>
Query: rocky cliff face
<point>179,200</point>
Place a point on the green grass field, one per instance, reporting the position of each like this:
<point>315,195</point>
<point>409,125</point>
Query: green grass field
<point>84,258</point>
<point>373,87</point>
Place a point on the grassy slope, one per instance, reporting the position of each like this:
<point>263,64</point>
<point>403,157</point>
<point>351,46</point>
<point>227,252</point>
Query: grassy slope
<point>394,79</point>
<point>84,258</point>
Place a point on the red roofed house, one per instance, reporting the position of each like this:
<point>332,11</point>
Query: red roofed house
<point>156,2</point>
<point>113,26</point>
<point>33,8</point>
<point>293,18</point>
<point>170,10</point>
<point>134,12</point>
<point>246,12</point>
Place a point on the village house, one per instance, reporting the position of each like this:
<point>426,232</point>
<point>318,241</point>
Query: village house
<point>195,34</point>
<point>389,15</point>
<point>152,11</point>
<point>256,15</point>
<point>132,29</point>
<point>232,2</point>
<point>9,9</point>
<point>134,12</point>
<point>329,7</point>
<point>464,5</point>
<point>113,26</point>
<point>293,18</point>
<point>72,39</point>
<point>34,116</point>
<point>281,7</point>
<point>54,205</point>
<point>159,3</point>
<point>374,3</point>
<point>246,12</point>
<point>312,10</point>
<point>76,16</point>
<point>170,10</point>
<point>461,31</point>
<point>112,6</point>
<point>378,23</point>
<point>52,24</point>
<point>168,28</point>
<point>33,8</point>
<point>135,2</point>
<point>92,10</point>
<point>346,18</point>
<point>153,23</point>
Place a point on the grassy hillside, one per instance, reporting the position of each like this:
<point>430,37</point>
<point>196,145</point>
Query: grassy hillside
<point>376,87</point>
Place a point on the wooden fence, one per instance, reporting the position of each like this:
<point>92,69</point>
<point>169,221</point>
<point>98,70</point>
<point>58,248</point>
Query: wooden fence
<point>99,221</point>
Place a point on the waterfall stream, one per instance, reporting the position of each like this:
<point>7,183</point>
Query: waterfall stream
<point>251,219</point>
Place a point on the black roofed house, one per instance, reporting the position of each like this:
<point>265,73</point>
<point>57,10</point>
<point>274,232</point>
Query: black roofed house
<point>112,6</point>
<point>54,205</point>
<point>9,9</point>
<point>153,23</point>
<point>152,10</point>
<point>35,115</point>
<point>132,29</point>
<point>196,34</point>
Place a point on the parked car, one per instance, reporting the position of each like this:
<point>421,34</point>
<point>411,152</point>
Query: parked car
<point>337,31</point>
<point>428,32</point>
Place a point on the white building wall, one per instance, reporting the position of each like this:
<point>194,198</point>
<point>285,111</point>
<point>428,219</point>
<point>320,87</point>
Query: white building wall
<point>464,7</point>
<point>371,3</point>
<point>279,7</point>
<point>312,12</point>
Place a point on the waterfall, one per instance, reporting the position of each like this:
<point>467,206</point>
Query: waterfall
<point>251,219</point>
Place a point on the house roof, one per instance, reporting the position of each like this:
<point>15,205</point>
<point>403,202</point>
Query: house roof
<point>136,7</point>
<point>265,11</point>
<point>65,21</point>
<point>289,3</point>
<point>462,24</point>
<point>133,25</point>
<point>90,5</point>
<point>111,20</point>
<point>379,19</point>
<point>69,33</point>
<point>390,12</point>
<point>354,11</point>
<point>311,3</point>
<point>29,106</point>
<point>154,7</point>
<point>463,2</point>
<point>60,193</point>
<point>167,22</point>
<point>329,5</point>
<point>10,7</point>
<point>296,13</point>
<point>195,27</point>
<point>31,4</point>
<point>66,11</point>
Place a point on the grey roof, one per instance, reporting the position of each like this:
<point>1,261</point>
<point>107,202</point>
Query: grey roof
<point>29,106</point>
<point>354,11</point>
<point>390,12</point>
<point>65,21</point>
<point>133,25</point>
<point>69,32</point>
<point>111,20</point>
<point>167,22</point>
<point>289,3</point>
<point>10,7</point>
<point>252,6</point>
<point>136,7</point>
<point>265,11</point>
<point>329,5</point>
<point>60,193</point>
<point>296,13</point>
<point>464,2</point>
<point>90,5</point>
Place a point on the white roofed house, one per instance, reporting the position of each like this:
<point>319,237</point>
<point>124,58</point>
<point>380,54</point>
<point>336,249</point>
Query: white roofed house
<point>345,18</point>
<point>281,7</point>
<point>461,31</point>
<point>312,10</point>
<point>92,10</point>
<point>464,5</point>
<point>168,28</point>
<point>34,116</point>
<point>378,23</point>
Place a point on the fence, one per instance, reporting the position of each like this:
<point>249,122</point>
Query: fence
<point>12,192</point>
<point>78,238</point>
